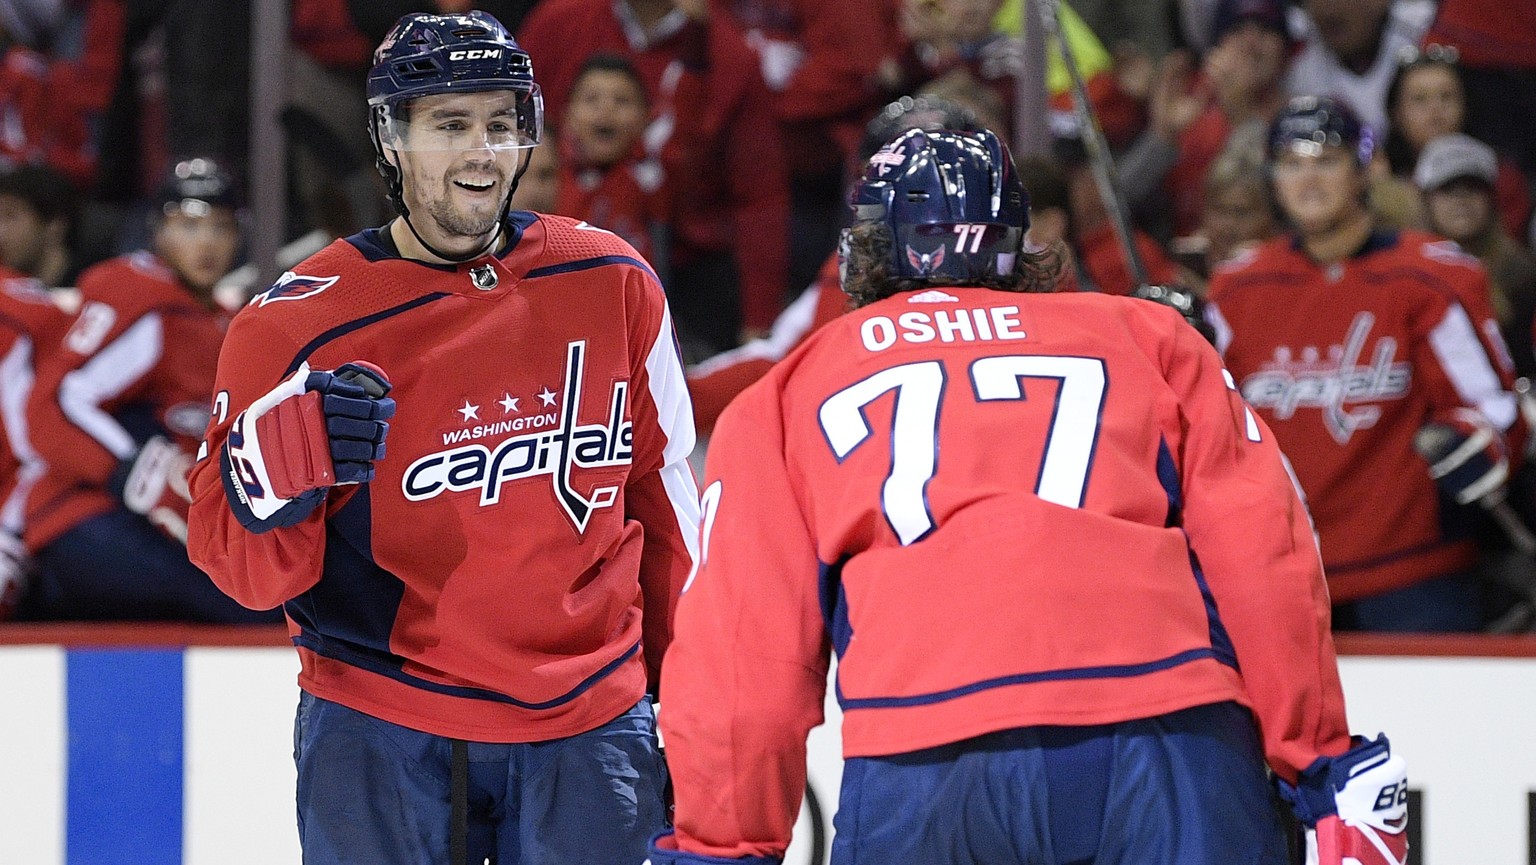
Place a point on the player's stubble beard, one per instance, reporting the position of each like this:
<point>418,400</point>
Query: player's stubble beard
<point>459,222</point>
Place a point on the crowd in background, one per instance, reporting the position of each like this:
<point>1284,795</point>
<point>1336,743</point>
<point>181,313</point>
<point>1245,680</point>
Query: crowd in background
<point>716,136</point>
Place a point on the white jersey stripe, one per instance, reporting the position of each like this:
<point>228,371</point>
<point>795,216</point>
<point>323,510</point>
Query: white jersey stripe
<point>674,413</point>
<point>16,379</point>
<point>1467,365</point>
<point>108,374</point>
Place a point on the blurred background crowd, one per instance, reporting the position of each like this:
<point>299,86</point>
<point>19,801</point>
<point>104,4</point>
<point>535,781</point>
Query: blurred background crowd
<point>716,136</point>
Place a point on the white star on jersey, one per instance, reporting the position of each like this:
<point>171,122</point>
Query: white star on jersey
<point>470,412</point>
<point>547,395</point>
<point>508,403</point>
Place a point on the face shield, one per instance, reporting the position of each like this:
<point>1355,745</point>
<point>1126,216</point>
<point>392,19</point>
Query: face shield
<point>492,120</point>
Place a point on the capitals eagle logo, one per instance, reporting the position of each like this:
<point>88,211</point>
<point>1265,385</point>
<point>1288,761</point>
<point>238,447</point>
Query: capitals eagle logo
<point>293,286</point>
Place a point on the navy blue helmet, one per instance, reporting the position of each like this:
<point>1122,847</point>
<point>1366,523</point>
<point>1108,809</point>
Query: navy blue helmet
<point>195,185</point>
<point>953,202</point>
<point>427,55</point>
<point>1317,121</point>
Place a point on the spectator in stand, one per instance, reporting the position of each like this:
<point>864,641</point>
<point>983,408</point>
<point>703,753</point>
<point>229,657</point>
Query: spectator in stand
<point>53,91</point>
<point>1349,50</point>
<point>1239,211</point>
<point>539,190</point>
<point>1497,42</point>
<point>606,177</point>
<point>37,224</point>
<point>731,216</point>
<point>1192,116</point>
<point>829,66</point>
<point>1427,99</point>
<point>713,383</point>
<point>1457,175</point>
<point>118,412</point>
<point>1350,340</point>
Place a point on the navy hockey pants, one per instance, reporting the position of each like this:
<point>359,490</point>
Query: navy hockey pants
<point>1186,788</point>
<point>375,793</point>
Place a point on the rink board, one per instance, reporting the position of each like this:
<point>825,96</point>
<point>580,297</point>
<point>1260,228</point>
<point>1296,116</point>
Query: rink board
<point>153,747</point>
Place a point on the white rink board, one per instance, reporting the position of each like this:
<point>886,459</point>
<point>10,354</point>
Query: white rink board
<point>1467,726</point>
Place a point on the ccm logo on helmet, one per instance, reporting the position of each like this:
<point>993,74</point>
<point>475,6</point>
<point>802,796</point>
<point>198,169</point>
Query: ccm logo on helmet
<point>476,54</point>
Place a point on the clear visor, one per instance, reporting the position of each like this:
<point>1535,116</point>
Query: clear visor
<point>486,120</point>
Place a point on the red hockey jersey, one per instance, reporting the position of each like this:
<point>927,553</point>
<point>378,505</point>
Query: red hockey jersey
<point>138,361</point>
<point>714,382</point>
<point>30,322</point>
<point>1001,510</point>
<point>534,514</point>
<point>1346,363</point>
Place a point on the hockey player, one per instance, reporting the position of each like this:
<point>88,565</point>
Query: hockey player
<point>481,606</point>
<point>117,412</point>
<point>1075,599</point>
<point>31,321</point>
<point>1348,340</point>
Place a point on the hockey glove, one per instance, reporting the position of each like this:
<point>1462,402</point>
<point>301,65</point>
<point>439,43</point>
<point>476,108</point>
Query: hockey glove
<point>664,852</point>
<point>15,574</point>
<point>153,482</point>
<point>1355,806</point>
<point>1466,455</point>
<point>314,431</point>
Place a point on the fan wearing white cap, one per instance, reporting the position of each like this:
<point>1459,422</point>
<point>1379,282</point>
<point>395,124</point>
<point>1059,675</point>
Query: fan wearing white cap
<point>1457,176</point>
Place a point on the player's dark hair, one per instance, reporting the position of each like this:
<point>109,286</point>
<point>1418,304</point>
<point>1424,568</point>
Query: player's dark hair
<point>45,191</point>
<point>868,275</point>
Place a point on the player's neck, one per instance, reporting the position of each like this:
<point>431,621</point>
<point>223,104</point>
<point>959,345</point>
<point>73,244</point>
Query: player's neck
<point>411,247</point>
<point>1341,240</point>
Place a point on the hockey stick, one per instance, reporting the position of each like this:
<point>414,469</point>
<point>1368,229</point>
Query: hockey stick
<point>1099,157</point>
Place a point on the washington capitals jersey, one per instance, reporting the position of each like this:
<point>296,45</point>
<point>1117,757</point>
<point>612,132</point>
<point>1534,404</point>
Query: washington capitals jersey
<point>1346,363</point>
<point>510,573</point>
<point>137,361</point>
<point>30,321</point>
<point>1000,510</point>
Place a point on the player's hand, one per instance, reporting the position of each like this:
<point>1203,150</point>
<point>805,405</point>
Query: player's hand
<point>15,573</point>
<point>664,852</point>
<point>1467,457</point>
<point>153,483</point>
<point>315,430</point>
<point>1355,806</point>
<point>355,401</point>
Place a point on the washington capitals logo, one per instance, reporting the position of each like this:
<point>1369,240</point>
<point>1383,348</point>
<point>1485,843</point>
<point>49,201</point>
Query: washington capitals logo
<point>292,286</point>
<point>886,158</point>
<point>925,262</point>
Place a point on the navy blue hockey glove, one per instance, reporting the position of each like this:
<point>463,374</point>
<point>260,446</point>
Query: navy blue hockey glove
<point>356,404</point>
<point>316,430</point>
<point>1467,457</point>
<point>664,852</point>
<point>1355,806</point>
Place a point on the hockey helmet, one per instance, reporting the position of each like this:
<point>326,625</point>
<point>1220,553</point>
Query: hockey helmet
<point>194,186</point>
<point>952,201</point>
<point>1313,122</point>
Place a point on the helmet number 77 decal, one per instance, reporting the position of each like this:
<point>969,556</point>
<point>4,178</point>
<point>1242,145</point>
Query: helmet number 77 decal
<point>919,389</point>
<point>969,232</point>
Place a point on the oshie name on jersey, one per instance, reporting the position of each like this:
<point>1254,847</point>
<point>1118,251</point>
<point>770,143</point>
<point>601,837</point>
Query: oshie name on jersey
<point>965,324</point>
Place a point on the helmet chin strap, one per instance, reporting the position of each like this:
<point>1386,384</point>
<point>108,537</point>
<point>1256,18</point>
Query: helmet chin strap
<point>501,219</point>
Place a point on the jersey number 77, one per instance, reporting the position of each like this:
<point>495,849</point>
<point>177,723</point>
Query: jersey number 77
<point>919,393</point>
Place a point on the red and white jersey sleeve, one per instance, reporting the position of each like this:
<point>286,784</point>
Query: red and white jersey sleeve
<point>138,360</point>
<point>30,321</point>
<point>1000,510</point>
